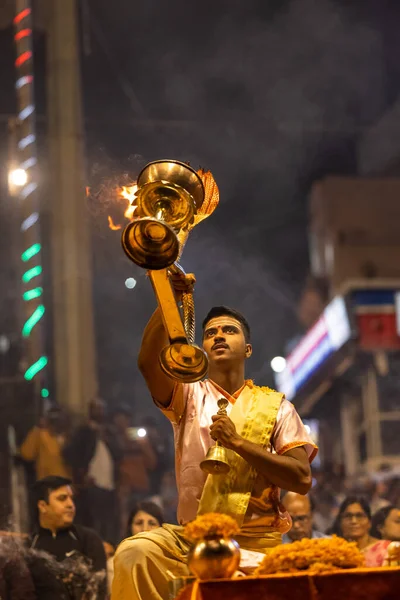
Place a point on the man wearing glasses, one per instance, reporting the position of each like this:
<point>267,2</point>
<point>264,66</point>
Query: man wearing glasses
<point>300,509</point>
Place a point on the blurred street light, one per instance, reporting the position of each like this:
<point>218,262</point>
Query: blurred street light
<point>4,344</point>
<point>278,364</point>
<point>17,178</point>
<point>130,283</point>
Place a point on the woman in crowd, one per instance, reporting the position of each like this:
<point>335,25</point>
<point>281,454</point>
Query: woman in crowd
<point>145,516</point>
<point>386,524</point>
<point>354,524</point>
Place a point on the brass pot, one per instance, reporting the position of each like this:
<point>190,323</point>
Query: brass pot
<point>214,558</point>
<point>393,554</point>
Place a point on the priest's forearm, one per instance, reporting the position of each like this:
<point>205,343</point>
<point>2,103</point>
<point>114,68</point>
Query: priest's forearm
<point>154,340</point>
<point>290,471</point>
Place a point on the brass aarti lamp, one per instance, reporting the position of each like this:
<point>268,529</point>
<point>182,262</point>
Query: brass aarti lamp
<point>171,198</point>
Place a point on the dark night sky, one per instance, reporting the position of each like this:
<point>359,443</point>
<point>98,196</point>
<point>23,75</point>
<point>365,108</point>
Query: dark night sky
<point>268,95</point>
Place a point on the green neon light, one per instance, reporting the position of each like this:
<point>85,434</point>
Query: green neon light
<point>35,368</point>
<point>45,393</point>
<point>31,294</point>
<point>32,251</point>
<point>33,319</point>
<point>34,272</point>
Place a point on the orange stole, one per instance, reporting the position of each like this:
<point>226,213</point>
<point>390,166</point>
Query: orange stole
<point>254,415</point>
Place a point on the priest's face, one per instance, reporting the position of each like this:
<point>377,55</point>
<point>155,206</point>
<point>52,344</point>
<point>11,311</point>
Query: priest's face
<point>224,341</point>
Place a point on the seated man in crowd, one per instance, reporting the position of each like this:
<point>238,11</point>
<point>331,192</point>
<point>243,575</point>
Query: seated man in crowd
<point>56,534</point>
<point>267,446</point>
<point>300,509</point>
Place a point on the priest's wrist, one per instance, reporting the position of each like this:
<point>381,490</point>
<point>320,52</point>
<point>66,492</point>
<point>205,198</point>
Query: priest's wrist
<point>236,443</point>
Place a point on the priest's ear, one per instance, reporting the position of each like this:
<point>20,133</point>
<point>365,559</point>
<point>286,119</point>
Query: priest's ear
<point>249,350</point>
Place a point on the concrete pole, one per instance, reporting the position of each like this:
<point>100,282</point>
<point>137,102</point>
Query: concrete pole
<point>350,455</point>
<point>74,346</point>
<point>371,419</point>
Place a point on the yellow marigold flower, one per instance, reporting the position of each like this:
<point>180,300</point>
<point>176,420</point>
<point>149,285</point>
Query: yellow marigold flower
<point>211,524</point>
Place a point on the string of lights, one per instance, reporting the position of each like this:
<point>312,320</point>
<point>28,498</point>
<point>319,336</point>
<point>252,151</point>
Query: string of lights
<point>31,257</point>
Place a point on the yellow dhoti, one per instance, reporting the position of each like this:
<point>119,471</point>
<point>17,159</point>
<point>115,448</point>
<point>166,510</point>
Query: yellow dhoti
<point>144,563</point>
<point>141,564</point>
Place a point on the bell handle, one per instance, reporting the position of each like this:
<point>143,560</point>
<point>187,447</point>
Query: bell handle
<point>169,309</point>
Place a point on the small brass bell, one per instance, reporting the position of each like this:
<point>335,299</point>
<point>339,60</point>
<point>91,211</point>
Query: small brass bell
<point>216,461</point>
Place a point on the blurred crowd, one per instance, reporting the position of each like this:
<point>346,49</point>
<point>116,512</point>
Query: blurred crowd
<point>364,510</point>
<point>107,480</point>
<point>331,487</point>
<point>113,464</point>
<point>94,485</point>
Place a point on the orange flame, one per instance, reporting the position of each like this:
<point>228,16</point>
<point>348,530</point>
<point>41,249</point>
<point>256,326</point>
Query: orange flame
<point>112,225</point>
<point>128,192</point>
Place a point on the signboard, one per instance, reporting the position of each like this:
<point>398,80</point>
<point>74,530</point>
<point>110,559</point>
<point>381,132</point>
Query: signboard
<point>377,317</point>
<point>397,305</point>
<point>329,334</point>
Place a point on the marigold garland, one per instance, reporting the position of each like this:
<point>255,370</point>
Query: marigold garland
<point>211,524</point>
<point>312,555</point>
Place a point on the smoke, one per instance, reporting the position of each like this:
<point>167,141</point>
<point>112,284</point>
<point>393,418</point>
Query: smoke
<point>309,63</point>
<point>268,95</point>
<point>248,91</point>
<point>71,578</point>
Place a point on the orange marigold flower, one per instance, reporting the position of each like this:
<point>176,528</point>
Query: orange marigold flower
<point>211,524</point>
<point>315,555</point>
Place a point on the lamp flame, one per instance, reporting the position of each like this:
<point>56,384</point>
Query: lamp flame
<point>127,192</point>
<point>112,225</point>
